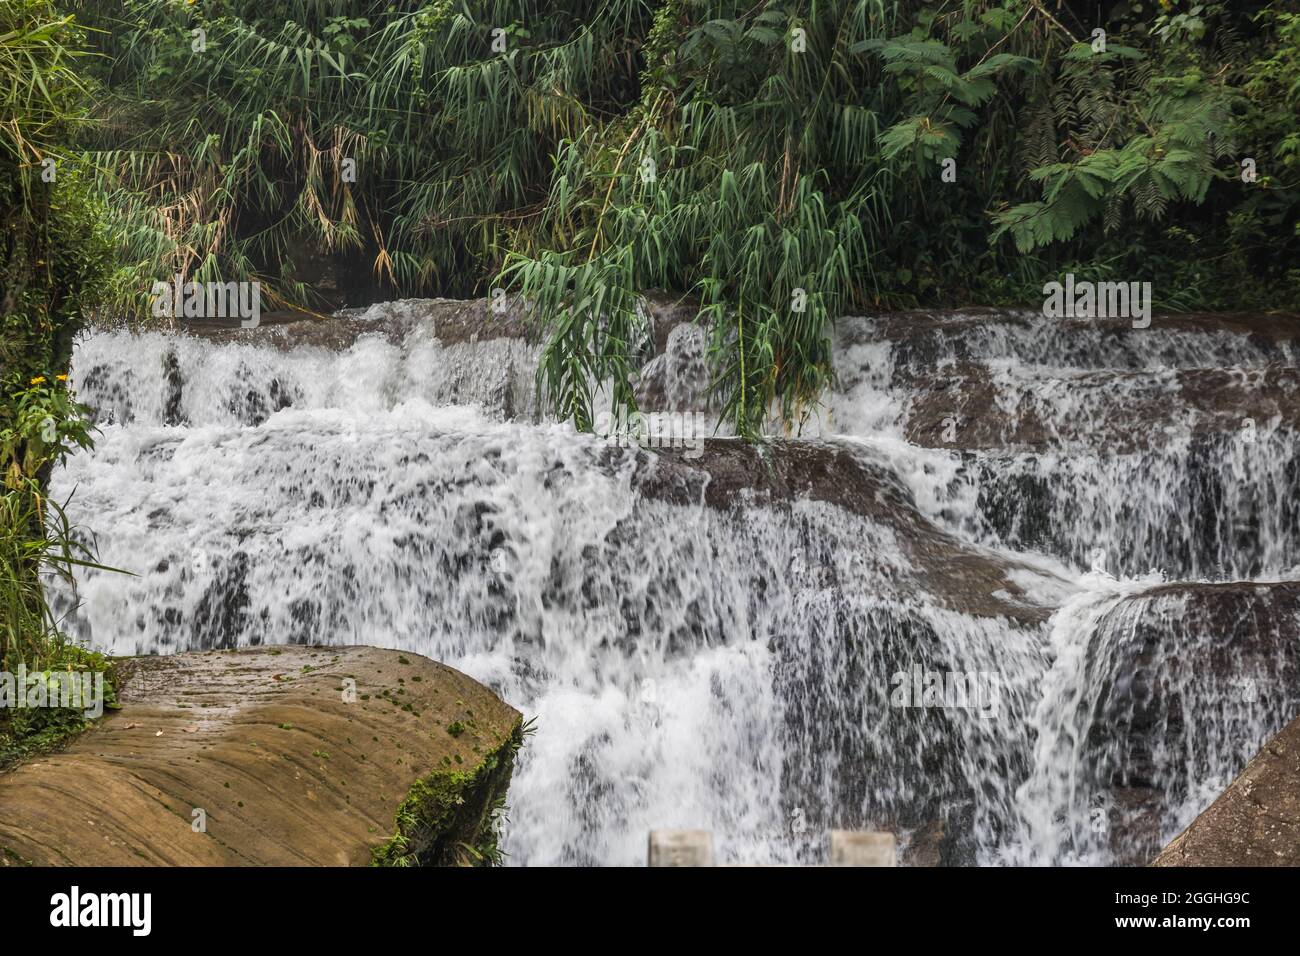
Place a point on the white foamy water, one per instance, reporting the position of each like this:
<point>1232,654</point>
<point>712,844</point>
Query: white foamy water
<point>1171,449</point>
<point>1130,654</point>
<point>736,670</point>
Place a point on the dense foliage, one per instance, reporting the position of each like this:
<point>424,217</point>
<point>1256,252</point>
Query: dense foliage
<point>53,255</point>
<point>782,163</point>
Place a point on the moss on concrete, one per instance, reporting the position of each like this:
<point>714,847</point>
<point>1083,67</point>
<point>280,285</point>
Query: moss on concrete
<point>452,817</point>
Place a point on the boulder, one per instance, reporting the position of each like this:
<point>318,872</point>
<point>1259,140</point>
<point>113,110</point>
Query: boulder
<point>280,756</point>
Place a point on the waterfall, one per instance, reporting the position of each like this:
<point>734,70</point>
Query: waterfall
<point>929,654</point>
<point>1125,755</point>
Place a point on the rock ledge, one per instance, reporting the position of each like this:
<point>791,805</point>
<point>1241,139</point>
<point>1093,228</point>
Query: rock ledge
<point>264,747</point>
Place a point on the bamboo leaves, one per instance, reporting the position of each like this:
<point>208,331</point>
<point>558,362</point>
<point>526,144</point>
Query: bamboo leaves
<point>777,161</point>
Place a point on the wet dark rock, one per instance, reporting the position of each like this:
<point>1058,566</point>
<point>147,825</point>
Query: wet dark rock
<point>254,406</point>
<point>113,394</point>
<point>452,321</point>
<point>1003,380</point>
<point>1211,530</point>
<point>928,339</point>
<point>174,384</point>
<point>732,474</point>
<point>945,841</point>
<point>223,611</point>
<point>1247,659</point>
<point>962,408</point>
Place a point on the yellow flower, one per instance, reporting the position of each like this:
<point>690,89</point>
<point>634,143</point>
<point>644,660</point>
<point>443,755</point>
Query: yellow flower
<point>38,379</point>
<point>61,378</point>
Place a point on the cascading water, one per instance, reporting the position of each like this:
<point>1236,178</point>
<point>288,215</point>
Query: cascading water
<point>1170,449</point>
<point>1121,712</point>
<point>758,666</point>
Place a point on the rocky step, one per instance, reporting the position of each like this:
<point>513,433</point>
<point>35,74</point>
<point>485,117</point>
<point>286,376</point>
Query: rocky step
<point>969,407</point>
<point>924,340</point>
<point>1256,821</point>
<point>452,321</point>
<point>732,474</point>
<point>336,756</point>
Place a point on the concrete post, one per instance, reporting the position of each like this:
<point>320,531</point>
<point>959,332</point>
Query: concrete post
<point>861,848</point>
<point>681,848</point>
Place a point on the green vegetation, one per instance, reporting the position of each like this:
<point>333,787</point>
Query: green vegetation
<point>53,257</point>
<point>29,732</point>
<point>453,817</point>
<point>55,250</point>
<point>779,163</point>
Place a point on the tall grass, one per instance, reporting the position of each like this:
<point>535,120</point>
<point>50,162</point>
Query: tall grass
<point>50,260</point>
<point>37,543</point>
